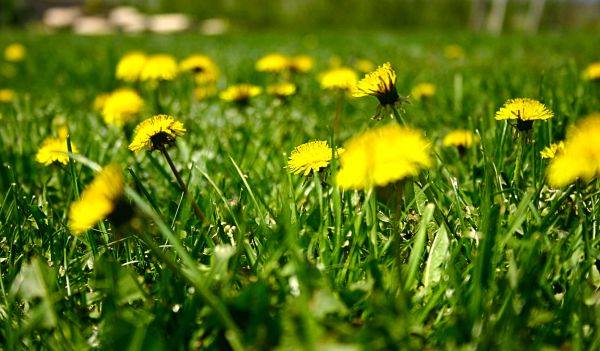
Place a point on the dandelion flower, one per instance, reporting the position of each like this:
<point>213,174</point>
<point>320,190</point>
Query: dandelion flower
<point>6,95</point>
<point>121,106</point>
<point>460,138</point>
<point>203,67</point>
<point>592,72</point>
<point>155,133</point>
<point>310,157</point>
<point>423,91</point>
<point>130,66</point>
<point>524,111</point>
<point>300,64</point>
<point>241,93</point>
<point>342,78</point>
<point>281,90</point>
<point>580,158</point>
<point>380,83</point>
<point>552,150</point>
<point>15,52</point>
<point>364,66</point>
<point>454,52</point>
<point>54,150</point>
<point>159,67</point>
<point>100,200</point>
<point>273,63</point>
<point>382,156</point>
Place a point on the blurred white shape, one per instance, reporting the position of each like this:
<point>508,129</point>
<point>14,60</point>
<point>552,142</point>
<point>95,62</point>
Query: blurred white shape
<point>128,18</point>
<point>168,23</point>
<point>61,17</point>
<point>92,26</point>
<point>214,26</point>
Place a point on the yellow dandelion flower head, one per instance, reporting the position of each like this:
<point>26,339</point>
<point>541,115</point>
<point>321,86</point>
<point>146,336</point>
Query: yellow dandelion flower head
<point>15,52</point>
<point>460,138</point>
<point>158,68</point>
<point>203,67</point>
<point>301,63</point>
<point>155,133</point>
<point>54,150</point>
<point>580,158</point>
<point>240,93</point>
<point>381,156</point>
<point>100,101</point>
<point>7,95</point>
<point>380,83</point>
<point>130,66</point>
<point>282,89</point>
<point>310,157</point>
<point>205,91</point>
<point>342,78</point>
<point>274,63</point>
<point>121,107</point>
<point>423,91</point>
<point>364,66</point>
<point>98,200</point>
<point>592,72</point>
<point>523,109</point>
<point>552,150</point>
<point>454,52</point>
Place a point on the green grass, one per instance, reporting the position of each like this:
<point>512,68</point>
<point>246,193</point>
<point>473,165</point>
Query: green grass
<point>287,262</point>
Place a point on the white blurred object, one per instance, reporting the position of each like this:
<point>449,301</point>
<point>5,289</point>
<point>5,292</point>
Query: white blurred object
<point>168,23</point>
<point>214,26</point>
<point>128,18</point>
<point>61,17</point>
<point>92,26</point>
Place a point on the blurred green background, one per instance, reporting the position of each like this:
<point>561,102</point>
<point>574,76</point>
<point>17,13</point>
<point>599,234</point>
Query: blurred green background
<point>490,15</point>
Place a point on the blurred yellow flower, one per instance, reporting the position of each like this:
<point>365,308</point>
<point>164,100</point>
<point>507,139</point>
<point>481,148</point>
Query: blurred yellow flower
<point>454,52</point>
<point>342,78</point>
<point>524,111</point>
<point>130,66</point>
<point>203,67</point>
<point>274,63</point>
<point>381,156</point>
<point>15,52</point>
<point>240,93</point>
<point>460,138</point>
<point>552,150</point>
<point>580,158</point>
<point>7,95</point>
<point>155,133</point>
<point>205,91</point>
<point>592,72</point>
<point>364,66</point>
<point>159,67</point>
<point>54,150</point>
<point>121,107</point>
<point>310,157</point>
<point>300,63</point>
<point>99,200</point>
<point>423,91</point>
<point>281,90</point>
<point>100,101</point>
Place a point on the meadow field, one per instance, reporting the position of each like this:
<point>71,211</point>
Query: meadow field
<point>403,239</point>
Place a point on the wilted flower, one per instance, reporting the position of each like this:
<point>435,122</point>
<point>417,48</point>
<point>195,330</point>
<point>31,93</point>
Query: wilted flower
<point>155,133</point>
<point>423,91</point>
<point>524,111</point>
<point>552,150</point>
<point>101,199</point>
<point>54,150</point>
<point>310,157</point>
<point>241,93</point>
<point>580,158</point>
<point>342,78</point>
<point>281,90</point>
<point>592,72</point>
<point>130,66</point>
<point>121,107</point>
<point>159,67</point>
<point>382,156</point>
<point>15,52</point>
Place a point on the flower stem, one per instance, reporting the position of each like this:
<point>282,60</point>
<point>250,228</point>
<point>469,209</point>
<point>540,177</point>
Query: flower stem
<point>397,116</point>
<point>338,115</point>
<point>182,184</point>
<point>516,181</point>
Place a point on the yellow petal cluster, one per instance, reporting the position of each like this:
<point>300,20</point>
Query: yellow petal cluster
<point>342,78</point>
<point>310,157</point>
<point>300,63</point>
<point>54,150</point>
<point>121,107</point>
<point>6,95</point>
<point>156,132</point>
<point>423,91</point>
<point>459,138</point>
<point>592,72</point>
<point>130,66</point>
<point>282,89</point>
<point>380,83</point>
<point>15,52</point>
<point>552,150</point>
<point>203,67</point>
<point>381,156</point>
<point>98,200</point>
<point>240,93</point>
<point>580,158</point>
<point>523,109</point>
<point>274,63</point>
<point>159,68</point>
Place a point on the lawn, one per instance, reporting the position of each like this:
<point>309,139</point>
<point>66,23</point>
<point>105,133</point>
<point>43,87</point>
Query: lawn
<point>475,251</point>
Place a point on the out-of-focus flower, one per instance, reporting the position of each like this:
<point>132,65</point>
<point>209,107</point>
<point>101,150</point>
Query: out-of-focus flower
<point>454,52</point>
<point>300,63</point>
<point>382,156</point>
<point>281,90</point>
<point>100,101</point>
<point>364,66</point>
<point>7,95</point>
<point>158,68</point>
<point>241,93</point>
<point>121,107</point>
<point>460,138</point>
<point>130,66</point>
<point>342,78</point>
<point>54,150</point>
<point>552,150</point>
<point>423,91</point>
<point>592,72</point>
<point>203,67</point>
<point>274,63</point>
<point>15,52</point>
<point>205,91</point>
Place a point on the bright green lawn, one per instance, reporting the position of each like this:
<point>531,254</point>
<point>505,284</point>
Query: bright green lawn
<point>476,262</point>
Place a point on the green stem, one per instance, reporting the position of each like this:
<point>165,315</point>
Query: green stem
<point>516,181</point>
<point>397,116</point>
<point>338,115</point>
